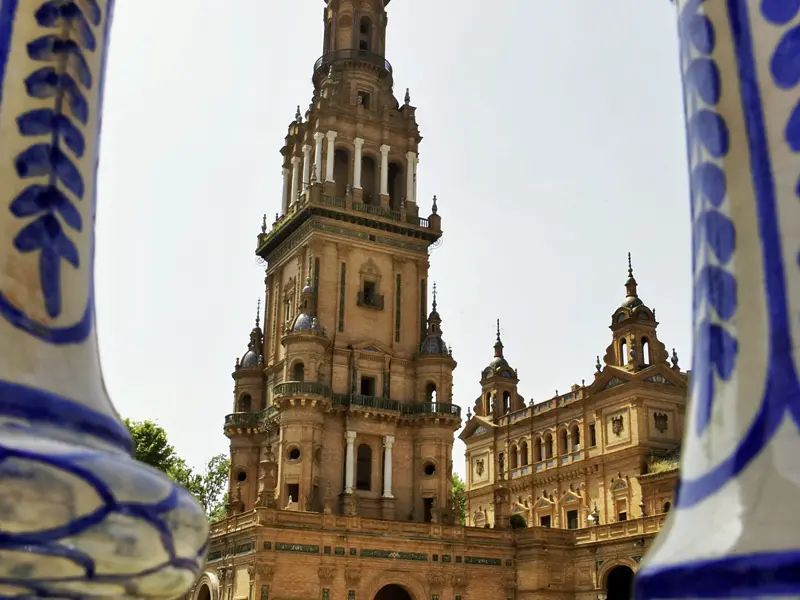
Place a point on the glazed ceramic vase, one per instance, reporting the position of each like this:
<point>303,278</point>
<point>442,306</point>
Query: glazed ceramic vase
<point>79,518</point>
<point>735,532</point>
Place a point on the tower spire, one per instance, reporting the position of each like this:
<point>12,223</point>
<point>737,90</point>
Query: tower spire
<point>498,345</point>
<point>258,314</point>
<point>434,296</point>
<point>630,284</point>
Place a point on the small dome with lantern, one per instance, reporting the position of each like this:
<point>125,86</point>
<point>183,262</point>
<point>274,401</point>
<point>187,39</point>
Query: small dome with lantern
<point>307,320</point>
<point>433,344</point>
<point>253,357</point>
<point>498,365</point>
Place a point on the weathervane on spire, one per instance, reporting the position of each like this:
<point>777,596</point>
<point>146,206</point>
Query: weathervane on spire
<point>258,313</point>
<point>434,296</point>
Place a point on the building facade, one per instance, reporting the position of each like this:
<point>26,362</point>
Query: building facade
<point>343,419</point>
<point>580,457</point>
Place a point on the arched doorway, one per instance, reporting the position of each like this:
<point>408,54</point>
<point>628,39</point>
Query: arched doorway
<point>619,583</point>
<point>393,592</point>
<point>204,593</point>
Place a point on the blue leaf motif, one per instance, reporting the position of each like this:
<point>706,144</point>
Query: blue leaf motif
<point>711,181</point>
<point>703,74</point>
<point>64,83</point>
<point>46,159</point>
<point>55,12</point>
<point>51,47</point>
<point>45,121</point>
<point>37,199</point>
<point>720,234</point>
<point>701,33</point>
<point>710,128</point>
<point>720,289</point>
<point>716,353</point>
<point>785,63</point>
<point>780,12</point>
<point>46,83</point>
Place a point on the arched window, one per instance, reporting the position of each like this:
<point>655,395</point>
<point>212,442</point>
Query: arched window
<point>397,186</point>
<point>365,34</point>
<point>548,446</point>
<point>369,181</point>
<point>563,442</point>
<point>523,452</point>
<point>512,457</point>
<point>364,468</point>
<point>341,171</point>
<point>646,356</point>
<point>487,405</point>
<point>506,402</point>
<point>667,506</point>
<point>430,392</point>
<point>537,450</point>
<point>245,403</point>
<point>623,352</point>
<point>298,372</point>
<point>576,437</point>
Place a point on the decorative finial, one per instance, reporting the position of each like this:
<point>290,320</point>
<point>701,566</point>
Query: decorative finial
<point>276,217</point>
<point>434,296</point>
<point>469,413</point>
<point>258,313</point>
<point>630,267</point>
<point>408,97</point>
<point>674,359</point>
<point>264,223</point>
<point>435,208</point>
<point>597,364</point>
<point>298,117</point>
<point>498,330</point>
<point>450,351</point>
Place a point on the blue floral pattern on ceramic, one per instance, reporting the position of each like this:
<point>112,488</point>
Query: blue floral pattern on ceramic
<point>729,535</point>
<point>79,517</point>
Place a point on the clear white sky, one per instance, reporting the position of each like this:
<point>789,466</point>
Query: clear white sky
<point>554,141</point>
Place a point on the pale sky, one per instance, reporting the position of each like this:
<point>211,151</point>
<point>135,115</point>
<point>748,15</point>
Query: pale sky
<point>553,139</point>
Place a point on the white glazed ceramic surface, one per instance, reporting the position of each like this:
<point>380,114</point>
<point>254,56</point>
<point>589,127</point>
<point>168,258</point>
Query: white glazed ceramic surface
<point>735,531</point>
<point>78,516</point>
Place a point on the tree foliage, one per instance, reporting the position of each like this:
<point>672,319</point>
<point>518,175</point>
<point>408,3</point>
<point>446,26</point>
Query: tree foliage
<point>459,499</point>
<point>517,521</point>
<point>152,447</point>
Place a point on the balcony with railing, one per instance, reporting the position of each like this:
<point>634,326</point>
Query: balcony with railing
<point>305,205</point>
<point>301,388</point>
<point>352,55</point>
<point>249,421</point>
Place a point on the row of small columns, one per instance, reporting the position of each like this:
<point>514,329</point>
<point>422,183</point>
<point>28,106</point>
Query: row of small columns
<point>291,177</point>
<point>349,470</point>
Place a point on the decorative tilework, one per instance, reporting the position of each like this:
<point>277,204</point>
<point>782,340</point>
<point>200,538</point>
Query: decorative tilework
<point>446,558</point>
<point>326,594</point>
<point>326,550</point>
<point>267,545</point>
<point>351,595</point>
<point>479,560</point>
<point>338,551</point>
<point>244,548</point>
<point>353,552</point>
<point>264,592</point>
<point>304,548</point>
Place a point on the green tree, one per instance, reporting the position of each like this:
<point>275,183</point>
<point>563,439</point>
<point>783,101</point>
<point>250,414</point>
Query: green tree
<point>152,447</point>
<point>459,499</point>
<point>517,521</point>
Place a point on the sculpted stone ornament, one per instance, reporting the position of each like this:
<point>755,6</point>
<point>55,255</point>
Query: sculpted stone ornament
<point>733,530</point>
<point>79,518</point>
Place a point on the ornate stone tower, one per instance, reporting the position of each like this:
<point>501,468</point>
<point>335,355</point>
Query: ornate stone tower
<point>498,386</point>
<point>353,372</point>
<point>634,344</point>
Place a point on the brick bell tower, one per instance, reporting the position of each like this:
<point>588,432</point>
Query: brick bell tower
<point>357,414</point>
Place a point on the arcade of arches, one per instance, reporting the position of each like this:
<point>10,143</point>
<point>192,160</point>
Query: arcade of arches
<point>619,583</point>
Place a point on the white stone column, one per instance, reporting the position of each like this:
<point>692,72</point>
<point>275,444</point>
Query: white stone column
<point>306,166</point>
<point>349,458</point>
<point>357,164</point>
<point>384,170</point>
<point>388,442</point>
<point>331,149</point>
<point>416,164</point>
<point>318,137</point>
<point>411,166</point>
<point>285,198</point>
<point>295,179</point>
